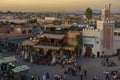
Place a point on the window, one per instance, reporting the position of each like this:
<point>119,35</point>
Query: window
<point>30,31</point>
<point>8,32</point>
<point>23,32</point>
<point>115,33</point>
<point>97,42</point>
<point>71,39</point>
<point>118,34</point>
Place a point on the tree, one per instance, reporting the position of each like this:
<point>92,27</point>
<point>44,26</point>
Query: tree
<point>9,12</point>
<point>79,41</point>
<point>89,13</point>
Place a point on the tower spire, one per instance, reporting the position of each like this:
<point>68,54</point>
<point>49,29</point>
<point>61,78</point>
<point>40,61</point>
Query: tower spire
<point>109,6</point>
<point>106,12</point>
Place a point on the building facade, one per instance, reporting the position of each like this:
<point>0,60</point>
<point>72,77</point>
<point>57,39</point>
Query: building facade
<point>104,40</point>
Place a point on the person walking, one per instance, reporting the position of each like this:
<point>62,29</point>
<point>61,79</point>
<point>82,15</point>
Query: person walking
<point>44,77</point>
<point>32,78</point>
<point>107,77</point>
<point>73,72</point>
<point>81,76</point>
<point>85,74</point>
<point>38,78</point>
<point>79,68</point>
<point>47,76</point>
<point>95,78</point>
<point>65,77</point>
<point>65,72</point>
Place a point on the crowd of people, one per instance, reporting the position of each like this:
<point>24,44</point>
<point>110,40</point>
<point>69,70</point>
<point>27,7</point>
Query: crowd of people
<point>75,70</point>
<point>71,70</point>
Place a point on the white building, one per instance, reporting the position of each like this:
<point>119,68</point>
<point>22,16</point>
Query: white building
<point>116,45</point>
<point>103,40</point>
<point>92,41</point>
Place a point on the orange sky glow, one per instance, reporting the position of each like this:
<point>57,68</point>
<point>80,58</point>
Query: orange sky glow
<point>55,5</point>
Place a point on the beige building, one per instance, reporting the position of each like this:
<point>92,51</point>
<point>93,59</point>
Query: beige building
<point>13,32</point>
<point>71,37</point>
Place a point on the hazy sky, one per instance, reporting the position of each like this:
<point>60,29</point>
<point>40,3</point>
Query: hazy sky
<point>55,5</point>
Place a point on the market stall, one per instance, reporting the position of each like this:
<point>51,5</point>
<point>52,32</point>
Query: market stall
<point>20,72</point>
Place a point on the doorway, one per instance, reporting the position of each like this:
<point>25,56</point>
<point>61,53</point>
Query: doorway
<point>98,54</point>
<point>88,51</point>
<point>118,51</point>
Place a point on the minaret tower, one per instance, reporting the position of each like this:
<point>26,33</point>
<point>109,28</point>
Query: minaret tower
<point>108,30</point>
<point>106,25</point>
<point>105,13</point>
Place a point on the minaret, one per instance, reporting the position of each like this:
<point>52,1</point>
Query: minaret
<point>108,30</point>
<point>106,25</point>
<point>109,10</point>
<point>105,13</point>
<point>105,16</point>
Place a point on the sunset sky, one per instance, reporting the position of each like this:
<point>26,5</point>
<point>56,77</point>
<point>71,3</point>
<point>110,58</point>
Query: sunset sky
<point>55,5</point>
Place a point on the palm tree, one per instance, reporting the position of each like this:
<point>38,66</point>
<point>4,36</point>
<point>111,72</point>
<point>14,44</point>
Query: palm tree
<point>88,14</point>
<point>79,41</point>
